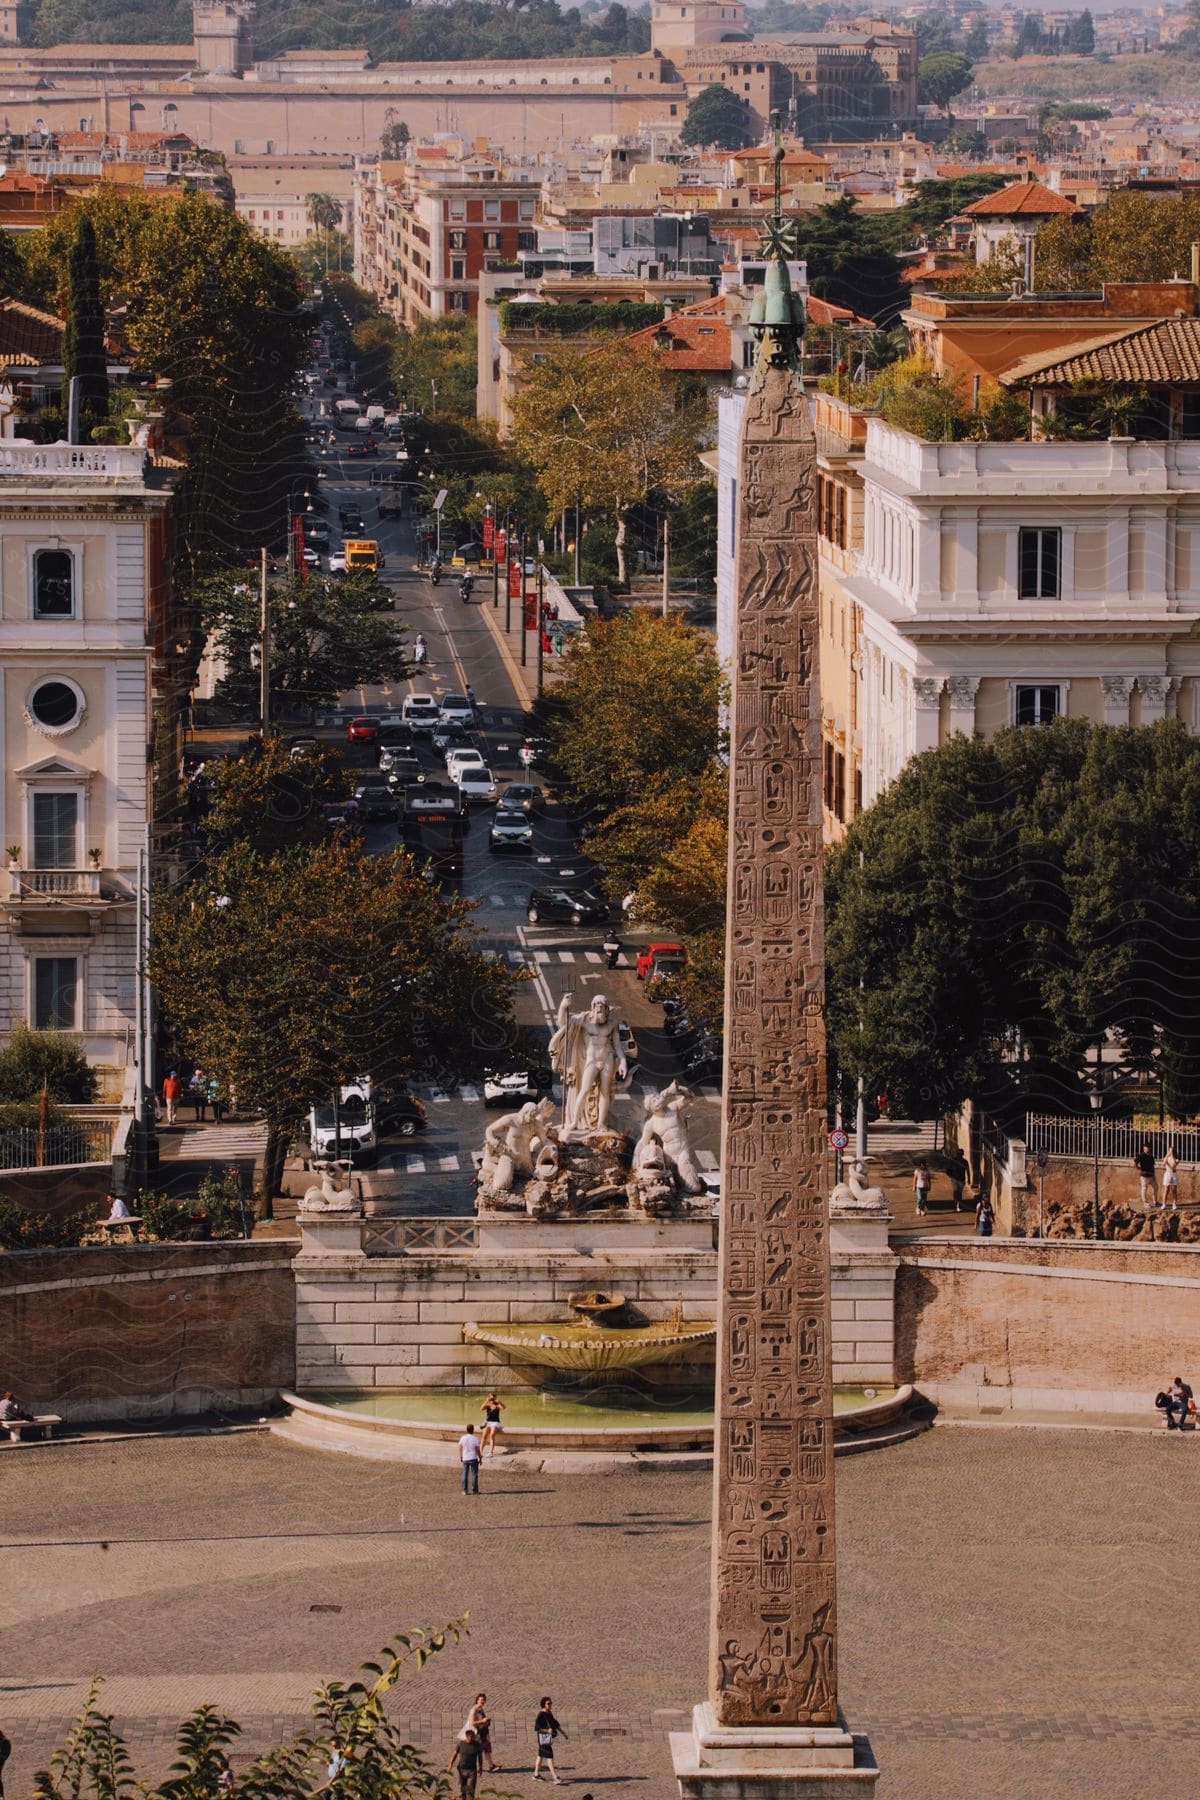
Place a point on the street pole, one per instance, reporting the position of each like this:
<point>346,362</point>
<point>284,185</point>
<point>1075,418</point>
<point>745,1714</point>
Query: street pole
<point>139,1017</point>
<point>577,543</point>
<point>495,569</point>
<point>265,652</point>
<point>508,550</point>
<point>524,630</point>
<point>541,598</point>
<point>1097,1099</point>
<point>666,588</point>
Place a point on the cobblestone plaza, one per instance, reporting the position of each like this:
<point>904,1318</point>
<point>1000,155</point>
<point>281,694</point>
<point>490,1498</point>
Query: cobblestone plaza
<point>1016,1617</point>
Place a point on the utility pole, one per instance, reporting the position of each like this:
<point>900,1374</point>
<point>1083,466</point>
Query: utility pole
<point>666,591</point>
<point>541,600</point>
<point>577,543</point>
<point>524,620</point>
<point>264,670</point>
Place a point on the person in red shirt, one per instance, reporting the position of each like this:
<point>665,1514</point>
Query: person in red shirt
<point>172,1093</point>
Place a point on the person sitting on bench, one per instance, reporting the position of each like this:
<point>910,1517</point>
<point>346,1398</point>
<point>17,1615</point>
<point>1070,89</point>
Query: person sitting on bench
<point>10,1408</point>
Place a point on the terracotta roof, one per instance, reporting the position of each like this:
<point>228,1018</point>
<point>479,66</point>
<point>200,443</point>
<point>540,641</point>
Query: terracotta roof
<point>824,312</point>
<point>1160,351</point>
<point>1021,199</point>
<point>687,342</point>
<point>26,331</point>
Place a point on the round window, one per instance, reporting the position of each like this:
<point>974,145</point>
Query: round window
<point>56,705</point>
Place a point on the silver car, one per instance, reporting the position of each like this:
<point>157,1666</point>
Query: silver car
<point>476,784</point>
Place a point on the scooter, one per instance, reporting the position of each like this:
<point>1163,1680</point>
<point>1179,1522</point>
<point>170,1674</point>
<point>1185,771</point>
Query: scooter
<point>612,950</point>
<point>435,574</point>
<point>465,587</point>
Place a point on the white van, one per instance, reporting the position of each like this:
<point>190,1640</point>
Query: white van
<point>420,711</point>
<point>346,410</point>
<point>350,1131</point>
<point>375,414</point>
<point>362,423</point>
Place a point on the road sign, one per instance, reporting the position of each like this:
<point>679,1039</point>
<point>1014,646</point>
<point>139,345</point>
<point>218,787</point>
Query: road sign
<point>440,501</point>
<point>839,1138</point>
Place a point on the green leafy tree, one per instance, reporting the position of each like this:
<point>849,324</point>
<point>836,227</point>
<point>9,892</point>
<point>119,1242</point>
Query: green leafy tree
<point>85,358</point>
<point>941,76</point>
<point>373,347</point>
<point>437,357</point>
<point>35,1060</point>
<point>1006,904</point>
<point>94,1763</point>
<point>395,136</point>
<point>288,974</point>
<point>327,634</point>
<point>716,116</point>
<point>325,214</point>
<point>850,262</point>
<point>270,800</point>
<point>606,429</point>
<point>638,701</point>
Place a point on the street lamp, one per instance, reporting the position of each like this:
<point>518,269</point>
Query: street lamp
<point>1096,1101</point>
<point>301,481</point>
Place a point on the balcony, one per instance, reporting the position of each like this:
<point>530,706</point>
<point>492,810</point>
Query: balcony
<point>59,890</point>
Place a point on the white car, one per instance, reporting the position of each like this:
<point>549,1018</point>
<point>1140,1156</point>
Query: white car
<point>349,1132</point>
<point>477,785</point>
<point>312,559</point>
<point>456,709</point>
<point>420,712</point>
<point>337,562</point>
<point>457,760</point>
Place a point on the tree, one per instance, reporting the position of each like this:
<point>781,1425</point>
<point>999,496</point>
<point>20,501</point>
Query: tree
<point>373,347</point>
<point>941,76</point>
<point>94,1763</point>
<point>851,264</point>
<point>1006,904</point>
<point>637,704</point>
<point>85,357</point>
<point>325,214</point>
<point>327,634</point>
<point>285,975</point>
<point>1082,34</point>
<point>604,429</point>
<point>269,800</point>
<point>437,354</point>
<point>35,1060</point>
<point>395,137</point>
<point>1133,237</point>
<point>716,116</point>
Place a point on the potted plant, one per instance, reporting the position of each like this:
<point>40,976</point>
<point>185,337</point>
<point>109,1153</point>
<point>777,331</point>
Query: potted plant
<point>94,858</point>
<point>14,856</point>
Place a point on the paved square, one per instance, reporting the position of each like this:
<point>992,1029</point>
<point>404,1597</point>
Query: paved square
<point>1016,1615</point>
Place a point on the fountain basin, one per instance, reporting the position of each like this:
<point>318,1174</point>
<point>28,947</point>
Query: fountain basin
<point>591,1349</point>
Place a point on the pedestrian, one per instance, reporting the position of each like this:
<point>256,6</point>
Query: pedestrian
<point>172,1094</point>
<point>479,1722</point>
<point>1179,1400</point>
<point>922,1182</point>
<point>956,1169</point>
<point>545,1729</point>
<point>1143,1162</point>
<point>470,697</point>
<point>985,1218</point>
<point>198,1089</point>
<point>1170,1187</point>
<point>468,1450</point>
<point>336,1769</point>
<point>491,1409</point>
<point>212,1090</point>
<point>466,1759</point>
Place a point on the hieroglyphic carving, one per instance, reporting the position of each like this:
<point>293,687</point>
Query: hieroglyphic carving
<point>773,1644</point>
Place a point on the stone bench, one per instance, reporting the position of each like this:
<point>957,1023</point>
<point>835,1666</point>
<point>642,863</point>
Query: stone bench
<point>31,1430</point>
<point>132,1225</point>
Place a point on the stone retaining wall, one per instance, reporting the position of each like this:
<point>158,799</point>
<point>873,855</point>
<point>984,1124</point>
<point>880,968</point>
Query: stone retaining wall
<point>985,1325</point>
<point>136,1331</point>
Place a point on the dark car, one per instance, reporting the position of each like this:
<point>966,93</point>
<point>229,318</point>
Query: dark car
<point>579,906</point>
<point>350,519</point>
<point>404,771</point>
<point>376,801</point>
<point>521,797</point>
<point>396,737</point>
<point>402,1113</point>
<point>450,734</point>
<point>369,448</point>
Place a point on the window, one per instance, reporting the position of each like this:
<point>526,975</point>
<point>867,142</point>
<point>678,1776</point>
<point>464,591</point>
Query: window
<point>527,209</point>
<point>458,303</point>
<point>55,831</point>
<point>491,240</point>
<point>527,240</point>
<point>1039,556</point>
<point>491,209</point>
<point>53,584</point>
<point>458,268</point>
<point>55,993</point>
<point>1036,705</point>
<point>458,240</point>
<point>56,705</point>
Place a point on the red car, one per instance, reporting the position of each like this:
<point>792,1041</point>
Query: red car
<point>363,730</point>
<point>370,448</point>
<point>647,954</point>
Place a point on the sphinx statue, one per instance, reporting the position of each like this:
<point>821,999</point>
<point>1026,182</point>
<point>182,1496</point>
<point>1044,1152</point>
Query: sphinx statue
<point>324,1197</point>
<point>854,1196</point>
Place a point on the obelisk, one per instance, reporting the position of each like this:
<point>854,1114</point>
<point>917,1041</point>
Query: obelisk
<point>771,1725</point>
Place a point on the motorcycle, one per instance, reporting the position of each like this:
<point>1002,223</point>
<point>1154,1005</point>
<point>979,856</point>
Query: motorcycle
<point>466,587</point>
<point>435,574</point>
<point>612,950</point>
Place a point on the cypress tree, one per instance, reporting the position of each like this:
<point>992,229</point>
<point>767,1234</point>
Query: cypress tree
<point>83,345</point>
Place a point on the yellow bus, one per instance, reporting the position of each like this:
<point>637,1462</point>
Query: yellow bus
<point>362,553</point>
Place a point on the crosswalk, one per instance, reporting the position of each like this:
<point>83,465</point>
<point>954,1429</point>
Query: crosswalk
<point>538,959</point>
<point>468,1095</point>
<point>212,1143</point>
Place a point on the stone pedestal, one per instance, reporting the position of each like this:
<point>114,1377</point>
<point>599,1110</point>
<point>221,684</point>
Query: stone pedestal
<point>769,1762</point>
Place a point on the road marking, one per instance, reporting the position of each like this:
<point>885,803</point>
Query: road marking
<point>541,956</point>
<point>516,957</point>
<point>439,1097</point>
<point>414,1165</point>
<point>468,1093</point>
<point>498,900</point>
<point>706,1159</point>
<point>593,956</point>
<point>448,1163</point>
<point>566,956</point>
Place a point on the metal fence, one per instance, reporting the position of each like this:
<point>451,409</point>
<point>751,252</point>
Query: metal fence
<point>1120,1139</point>
<point>56,1147</point>
<point>400,1237</point>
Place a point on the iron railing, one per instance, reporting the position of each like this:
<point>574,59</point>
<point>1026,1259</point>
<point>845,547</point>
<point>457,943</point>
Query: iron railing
<point>1120,1139</point>
<point>57,1146</point>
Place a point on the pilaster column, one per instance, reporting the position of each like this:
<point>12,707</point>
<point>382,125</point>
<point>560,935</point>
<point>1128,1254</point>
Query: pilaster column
<point>1153,690</point>
<point>1116,699</point>
<point>962,690</point>
<point>926,712</point>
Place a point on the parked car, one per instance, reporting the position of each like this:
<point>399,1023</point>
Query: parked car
<point>347,1131</point>
<point>303,746</point>
<point>663,970</point>
<point>338,813</point>
<point>648,952</point>
<point>510,831</point>
<point>509,1087</point>
<point>463,757</point>
<point>457,708</point>
<point>402,1113</point>
<point>476,784</point>
<point>419,713</point>
<point>577,906</point>
<point>376,801</point>
<point>523,797</point>
<point>362,730</point>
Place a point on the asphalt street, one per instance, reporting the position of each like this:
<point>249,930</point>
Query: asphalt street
<point>433,1173</point>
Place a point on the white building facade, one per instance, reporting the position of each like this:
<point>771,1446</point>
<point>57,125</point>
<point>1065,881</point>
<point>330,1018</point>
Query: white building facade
<point>84,585</point>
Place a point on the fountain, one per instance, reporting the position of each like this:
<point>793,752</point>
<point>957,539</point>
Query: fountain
<point>597,1346</point>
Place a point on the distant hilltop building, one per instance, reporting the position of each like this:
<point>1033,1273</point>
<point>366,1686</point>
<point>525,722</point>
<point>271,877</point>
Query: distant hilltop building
<point>859,81</point>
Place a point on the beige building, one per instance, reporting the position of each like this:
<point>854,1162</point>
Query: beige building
<point>85,655</point>
<point>271,193</point>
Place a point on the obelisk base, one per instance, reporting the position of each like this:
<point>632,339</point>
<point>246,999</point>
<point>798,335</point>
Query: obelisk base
<point>769,1762</point>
